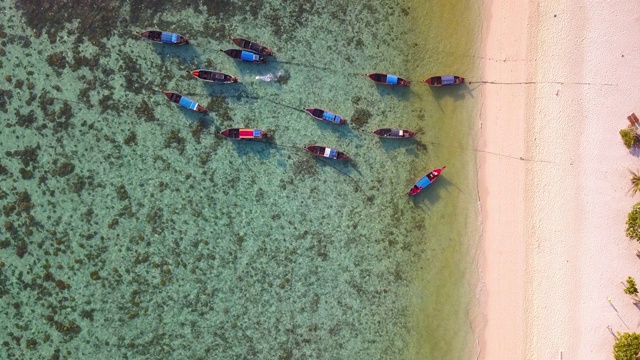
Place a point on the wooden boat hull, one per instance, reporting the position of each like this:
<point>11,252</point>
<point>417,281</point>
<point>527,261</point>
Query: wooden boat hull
<point>164,37</point>
<point>253,46</point>
<point>184,102</point>
<point>425,181</point>
<point>387,79</point>
<point>444,80</point>
<point>391,133</point>
<point>325,152</point>
<point>245,56</point>
<point>213,76</point>
<point>327,116</point>
<point>243,134</point>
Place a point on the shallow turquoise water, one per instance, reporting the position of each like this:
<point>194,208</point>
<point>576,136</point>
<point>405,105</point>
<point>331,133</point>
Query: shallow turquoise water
<point>131,231</point>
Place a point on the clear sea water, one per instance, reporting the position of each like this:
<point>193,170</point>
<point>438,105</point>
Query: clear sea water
<point>130,231</point>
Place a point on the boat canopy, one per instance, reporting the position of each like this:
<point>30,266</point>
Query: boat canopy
<point>169,38</point>
<point>330,153</point>
<point>424,182</point>
<point>331,117</point>
<point>248,56</point>
<point>448,80</point>
<point>188,103</point>
<point>392,79</point>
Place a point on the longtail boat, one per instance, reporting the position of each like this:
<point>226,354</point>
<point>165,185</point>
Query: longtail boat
<point>164,37</point>
<point>327,116</point>
<point>243,134</point>
<point>245,55</point>
<point>214,76</point>
<point>184,101</point>
<point>394,133</point>
<point>425,181</point>
<point>250,45</point>
<point>444,80</point>
<point>325,152</point>
<point>387,79</point>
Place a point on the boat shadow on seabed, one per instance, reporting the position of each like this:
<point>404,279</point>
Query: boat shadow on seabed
<point>456,92</point>
<point>186,54</point>
<point>401,92</point>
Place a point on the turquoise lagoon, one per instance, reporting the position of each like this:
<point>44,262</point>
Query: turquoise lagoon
<point>132,232</point>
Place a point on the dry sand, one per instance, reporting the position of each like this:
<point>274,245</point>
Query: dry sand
<point>554,247</point>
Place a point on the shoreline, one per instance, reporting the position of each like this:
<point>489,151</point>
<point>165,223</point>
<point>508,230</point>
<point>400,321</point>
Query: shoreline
<point>503,123</point>
<point>554,205</point>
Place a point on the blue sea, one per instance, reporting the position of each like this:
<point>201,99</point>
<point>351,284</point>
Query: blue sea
<point>132,231</point>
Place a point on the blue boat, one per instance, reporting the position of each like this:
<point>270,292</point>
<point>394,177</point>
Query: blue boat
<point>327,116</point>
<point>425,181</point>
<point>184,102</point>
<point>245,55</point>
<point>164,37</point>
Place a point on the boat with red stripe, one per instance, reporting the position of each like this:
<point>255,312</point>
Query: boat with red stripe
<point>392,133</point>
<point>164,37</point>
<point>444,80</point>
<point>253,46</point>
<point>425,181</point>
<point>326,152</point>
<point>243,134</point>
<point>387,79</point>
<point>214,76</point>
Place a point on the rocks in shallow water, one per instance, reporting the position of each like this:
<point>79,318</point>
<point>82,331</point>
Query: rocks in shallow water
<point>122,192</point>
<point>360,117</point>
<point>131,139</point>
<point>95,275</point>
<point>57,60</point>
<point>145,111</point>
<point>66,168</point>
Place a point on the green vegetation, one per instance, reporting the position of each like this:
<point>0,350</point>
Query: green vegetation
<point>627,346</point>
<point>633,223</point>
<point>629,137</point>
<point>631,288</point>
<point>635,182</point>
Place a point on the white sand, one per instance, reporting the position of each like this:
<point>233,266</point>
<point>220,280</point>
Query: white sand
<point>553,244</point>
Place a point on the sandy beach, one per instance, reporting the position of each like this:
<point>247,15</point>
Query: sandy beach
<point>553,178</point>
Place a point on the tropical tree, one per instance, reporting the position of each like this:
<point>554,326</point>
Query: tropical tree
<point>633,223</point>
<point>627,346</point>
<point>635,182</point>
<point>631,288</point>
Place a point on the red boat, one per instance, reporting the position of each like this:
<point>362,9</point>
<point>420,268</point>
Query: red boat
<point>214,76</point>
<point>184,101</point>
<point>444,80</point>
<point>245,55</point>
<point>243,134</point>
<point>327,116</point>
<point>387,79</point>
<point>425,181</point>
<point>394,133</point>
<point>326,152</point>
<point>250,45</point>
<point>163,37</point>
